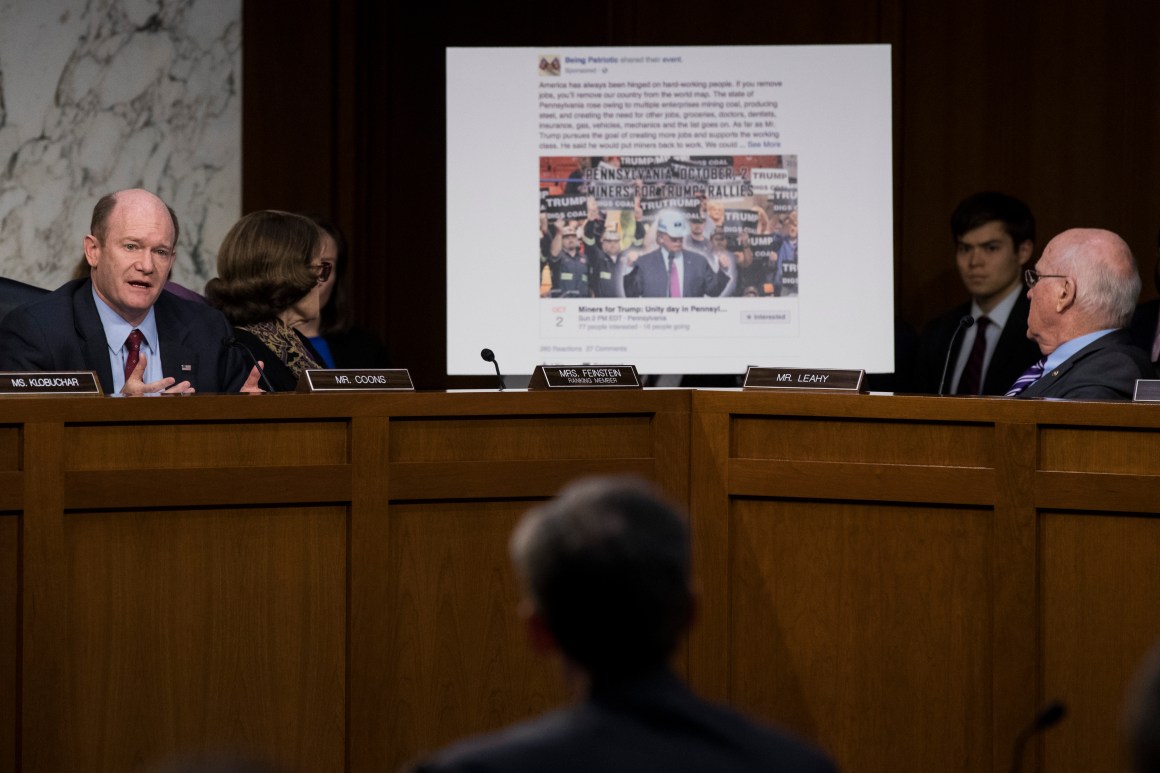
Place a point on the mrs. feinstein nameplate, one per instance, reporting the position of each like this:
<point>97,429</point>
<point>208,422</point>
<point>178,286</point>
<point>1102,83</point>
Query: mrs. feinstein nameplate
<point>804,378</point>
<point>80,382</point>
<point>377,380</point>
<point>584,377</point>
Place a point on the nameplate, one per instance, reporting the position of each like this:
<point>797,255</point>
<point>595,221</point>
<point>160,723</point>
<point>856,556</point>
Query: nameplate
<point>79,382</point>
<point>584,377</point>
<point>1147,391</point>
<point>377,380</point>
<point>804,378</point>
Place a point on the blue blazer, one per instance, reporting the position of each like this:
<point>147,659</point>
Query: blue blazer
<point>649,277</point>
<point>62,331</point>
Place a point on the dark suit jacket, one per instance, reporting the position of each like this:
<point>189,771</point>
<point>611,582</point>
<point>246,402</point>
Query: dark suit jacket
<point>62,331</point>
<point>655,724</point>
<point>649,277</point>
<point>1014,353</point>
<point>1105,369</point>
<point>13,294</point>
<point>1143,327</point>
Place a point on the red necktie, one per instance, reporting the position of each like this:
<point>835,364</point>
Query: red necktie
<point>133,344</point>
<point>972,376</point>
<point>674,278</point>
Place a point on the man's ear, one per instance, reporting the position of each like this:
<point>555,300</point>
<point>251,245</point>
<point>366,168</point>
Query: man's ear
<point>536,628</point>
<point>1025,251</point>
<point>1066,297</point>
<point>92,250</point>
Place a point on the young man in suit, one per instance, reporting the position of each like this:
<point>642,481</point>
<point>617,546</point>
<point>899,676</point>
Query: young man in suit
<point>994,238</point>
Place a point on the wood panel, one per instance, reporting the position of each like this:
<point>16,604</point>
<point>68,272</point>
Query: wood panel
<point>184,445</point>
<point>503,438</point>
<point>864,441</point>
<point>206,630</point>
<point>805,546</point>
<point>1099,617</point>
<point>457,662</point>
<point>9,638</point>
<point>864,627</point>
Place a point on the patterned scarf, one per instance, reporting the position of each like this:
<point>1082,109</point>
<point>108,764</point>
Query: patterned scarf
<point>284,342</point>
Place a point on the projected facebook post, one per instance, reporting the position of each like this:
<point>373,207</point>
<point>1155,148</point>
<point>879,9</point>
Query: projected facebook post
<point>670,185</point>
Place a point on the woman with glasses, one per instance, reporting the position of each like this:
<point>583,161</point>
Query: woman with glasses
<point>269,270</point>
<point>335,334</point>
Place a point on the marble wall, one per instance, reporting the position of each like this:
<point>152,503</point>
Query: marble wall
<point>99,95</point>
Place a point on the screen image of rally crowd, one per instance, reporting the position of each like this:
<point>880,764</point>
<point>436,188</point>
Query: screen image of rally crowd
<point>609,224</point>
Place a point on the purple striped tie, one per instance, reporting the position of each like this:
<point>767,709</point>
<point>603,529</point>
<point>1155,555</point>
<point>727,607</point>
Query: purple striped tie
<point>1029,377</point>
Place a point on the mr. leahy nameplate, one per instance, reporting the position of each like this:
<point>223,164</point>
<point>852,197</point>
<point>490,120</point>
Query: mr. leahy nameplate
<point>804,378</point>
<point>378,380</point>
<point>80,382</point>
<point>1147,390</point>
<point>585,377</point>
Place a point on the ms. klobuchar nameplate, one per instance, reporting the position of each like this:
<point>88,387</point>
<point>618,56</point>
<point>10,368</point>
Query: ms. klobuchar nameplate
<point>376,380</point>
<point>804,378</point>
<point>584,377</point>
<point>80,382</point>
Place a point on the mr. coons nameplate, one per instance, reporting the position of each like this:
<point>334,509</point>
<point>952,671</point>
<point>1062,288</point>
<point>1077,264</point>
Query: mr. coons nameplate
<point>585,377</point>
<point>80,382</point>
<point>377,380</point>
<point>804,378</point>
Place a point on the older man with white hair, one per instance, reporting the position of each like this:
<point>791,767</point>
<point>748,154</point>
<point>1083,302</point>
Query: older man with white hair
<point>1083,293</point>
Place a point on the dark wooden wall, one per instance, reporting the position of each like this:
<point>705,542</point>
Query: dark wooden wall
<point>1055,101</point>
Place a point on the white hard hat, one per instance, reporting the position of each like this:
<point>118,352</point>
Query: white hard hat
<point>672,223</point>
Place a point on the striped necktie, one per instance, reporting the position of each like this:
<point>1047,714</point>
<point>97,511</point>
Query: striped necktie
<point>1029,377</point>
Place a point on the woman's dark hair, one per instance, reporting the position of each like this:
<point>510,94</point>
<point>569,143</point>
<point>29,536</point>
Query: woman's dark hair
<point>264,266</point>
<point>337,316</point>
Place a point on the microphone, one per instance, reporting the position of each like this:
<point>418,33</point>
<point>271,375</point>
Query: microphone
<point>234,343</point>
<point>1047,717</point>
<point>964,323</point>
<point>489,356</point>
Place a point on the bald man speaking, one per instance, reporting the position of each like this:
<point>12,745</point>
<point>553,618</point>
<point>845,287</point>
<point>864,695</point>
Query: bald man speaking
<point>1083,293</point>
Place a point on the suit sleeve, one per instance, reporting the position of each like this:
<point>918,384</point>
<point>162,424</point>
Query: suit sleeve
<point>1107,375</point>
<point>23,344</point>
<point>632,281</point>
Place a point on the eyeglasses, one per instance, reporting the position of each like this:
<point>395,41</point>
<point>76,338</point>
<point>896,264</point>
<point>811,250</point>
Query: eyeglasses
<point>324,270</point>
<point>1032,277</point>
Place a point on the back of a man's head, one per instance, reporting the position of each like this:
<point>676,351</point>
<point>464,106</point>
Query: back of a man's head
<point>606,564</point>
<point>978,209</point>
<point>1105,271</point>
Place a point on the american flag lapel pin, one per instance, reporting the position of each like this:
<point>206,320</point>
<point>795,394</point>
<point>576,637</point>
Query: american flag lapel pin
<point>186,368</point>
